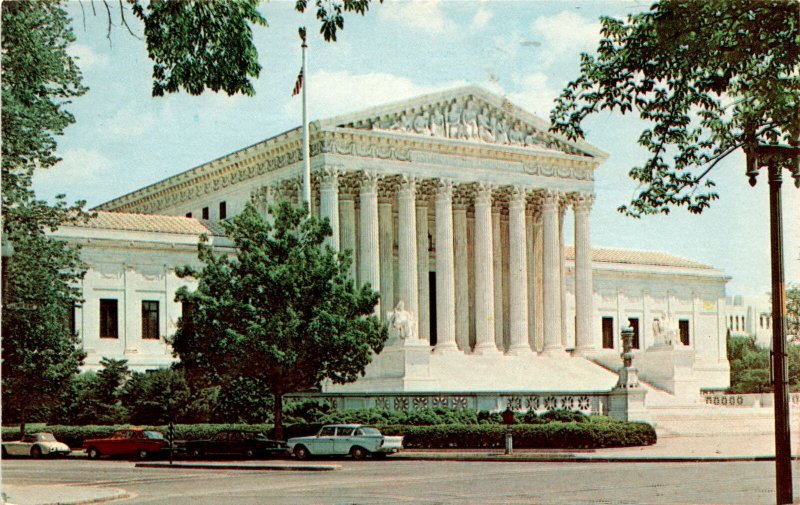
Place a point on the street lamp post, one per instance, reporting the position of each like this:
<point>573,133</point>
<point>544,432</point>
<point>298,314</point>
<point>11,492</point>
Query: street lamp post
<point>776,158</point>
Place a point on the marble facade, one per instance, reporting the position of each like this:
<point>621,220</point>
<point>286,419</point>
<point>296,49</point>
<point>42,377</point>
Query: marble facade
<point>455,204</point>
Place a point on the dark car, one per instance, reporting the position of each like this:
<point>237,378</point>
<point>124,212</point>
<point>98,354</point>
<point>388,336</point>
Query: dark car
<point>233,442</point>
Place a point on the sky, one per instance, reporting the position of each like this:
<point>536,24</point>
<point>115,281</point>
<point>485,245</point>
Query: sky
<point>524,50</point>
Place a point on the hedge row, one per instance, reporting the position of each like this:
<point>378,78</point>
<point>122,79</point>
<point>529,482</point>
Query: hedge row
<point>594,434</point>
<point>557,435</point>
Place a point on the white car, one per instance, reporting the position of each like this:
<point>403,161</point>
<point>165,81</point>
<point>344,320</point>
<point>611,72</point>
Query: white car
<point>36,445</point>
<point>343,439</point>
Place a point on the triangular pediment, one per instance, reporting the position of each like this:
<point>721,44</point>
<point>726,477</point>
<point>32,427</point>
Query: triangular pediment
<point>469,114</point>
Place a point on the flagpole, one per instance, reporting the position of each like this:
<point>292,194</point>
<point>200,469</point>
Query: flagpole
<point>306,160</point>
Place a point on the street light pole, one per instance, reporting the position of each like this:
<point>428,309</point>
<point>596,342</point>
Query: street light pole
<point>775,158</point>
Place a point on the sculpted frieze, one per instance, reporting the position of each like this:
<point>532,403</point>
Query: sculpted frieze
<point>465,118</point>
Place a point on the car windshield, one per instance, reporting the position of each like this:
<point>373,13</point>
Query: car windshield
<point>45,437</point>
<point>369,432</point>
<point>154,434</point>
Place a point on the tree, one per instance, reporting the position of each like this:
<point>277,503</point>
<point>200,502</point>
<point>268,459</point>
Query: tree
<point>199,44</point>
<point>713,76</point>
<point>283,312</point>
<point>156,397</point>
<point>39,353</point>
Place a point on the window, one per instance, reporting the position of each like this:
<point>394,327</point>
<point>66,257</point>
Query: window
<point>205,212</point>
<point>223,210</point>
<point>108,318</point>
<point>150,320</point>
<point>327,431</point>
<point>634,322</point>
<point>72,319</point>
<point>683,330</point>
<point>608,333</point>
<point>188,214</point>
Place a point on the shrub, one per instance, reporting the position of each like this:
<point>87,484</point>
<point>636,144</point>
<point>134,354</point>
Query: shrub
<point>564,416</point>
<point>551,435</point>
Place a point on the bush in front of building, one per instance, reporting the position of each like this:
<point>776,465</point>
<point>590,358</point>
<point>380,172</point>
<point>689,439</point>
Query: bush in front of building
<point>556,434</point>
<point>597,432</point>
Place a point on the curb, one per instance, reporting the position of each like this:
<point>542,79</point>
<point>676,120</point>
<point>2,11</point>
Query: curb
<point>121,494</point>
<point>223,466</point>
<point>575,458</point>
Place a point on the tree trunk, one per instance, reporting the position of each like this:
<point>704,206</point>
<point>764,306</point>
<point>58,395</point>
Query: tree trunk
<point>278,410</point>
<point>22,428</point>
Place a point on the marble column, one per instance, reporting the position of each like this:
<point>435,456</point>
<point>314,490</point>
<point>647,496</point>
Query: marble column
<point>422,271</point>
<point>531,276</point>
<point>407,246</point>
<point>445,269</point>
<point>369,248</point>
<point>497,266</point>
<point>538,277</point>
<point>484,272</point>
<point>518,277</point>
<point>347,228</point>
<point>562,271</point>
<point>551,274</point>
<point>386,238</point>
<point>461,275</point>
<point>329,203</point>
<point>584,340</point>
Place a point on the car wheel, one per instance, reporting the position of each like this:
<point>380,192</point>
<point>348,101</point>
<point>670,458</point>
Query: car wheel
<point>142,454</point>
<point>300,452</point>
<point>93,452</point>
<point>248,453</point>
<point>196,453</point>
<point>36,451</point>
<point>358,452</point>
<point>5,453</point>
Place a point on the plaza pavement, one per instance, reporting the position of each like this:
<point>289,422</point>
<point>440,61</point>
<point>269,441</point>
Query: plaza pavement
<point>668,449</point>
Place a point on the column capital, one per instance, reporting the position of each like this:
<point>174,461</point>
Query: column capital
<point>483,193</point>
<point>582,201</point>
<point>444,189</point>
<point>407,183</point>
<point>328,177</point>
<point>550,200</point>
<point>369,183</point>
<point>517,197</point>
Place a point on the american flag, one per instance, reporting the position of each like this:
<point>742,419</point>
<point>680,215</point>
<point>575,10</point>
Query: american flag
<point>299,84</point>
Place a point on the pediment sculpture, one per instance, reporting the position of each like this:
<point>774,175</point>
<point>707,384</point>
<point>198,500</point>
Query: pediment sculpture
<point>465,118</point>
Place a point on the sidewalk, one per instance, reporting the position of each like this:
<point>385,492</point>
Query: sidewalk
<point>668,448</point>
<point>59,495</point>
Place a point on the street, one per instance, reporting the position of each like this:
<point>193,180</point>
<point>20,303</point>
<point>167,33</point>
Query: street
<point>408,481</point>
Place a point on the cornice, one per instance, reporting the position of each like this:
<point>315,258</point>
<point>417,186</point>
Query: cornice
<point>285,150</point>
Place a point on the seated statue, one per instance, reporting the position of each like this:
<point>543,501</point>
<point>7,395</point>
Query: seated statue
<point>665,331</point>
<point>401,322</point>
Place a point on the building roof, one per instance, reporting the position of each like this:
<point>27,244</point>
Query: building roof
<point>151,223</point>
<point>638,258</point>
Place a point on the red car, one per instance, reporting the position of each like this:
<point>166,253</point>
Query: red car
<point>129,441</point>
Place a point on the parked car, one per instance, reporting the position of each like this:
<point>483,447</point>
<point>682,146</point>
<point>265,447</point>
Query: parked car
<point>36,445</point>
<point>343,439</point>
<point>128,441</point>
<point>246,443</point>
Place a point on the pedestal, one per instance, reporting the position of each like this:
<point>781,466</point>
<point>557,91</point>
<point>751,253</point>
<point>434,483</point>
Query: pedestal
<point>670,368</point>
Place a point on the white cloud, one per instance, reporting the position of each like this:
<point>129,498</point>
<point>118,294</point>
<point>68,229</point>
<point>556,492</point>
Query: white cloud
<point>481,19</point>
<point>135,120</point>
<point>567,32</point>
<point>334,93</point>
<point>537,95</point>
<point>85,165</point>
<point>86,57</point>
<point>424,15</point>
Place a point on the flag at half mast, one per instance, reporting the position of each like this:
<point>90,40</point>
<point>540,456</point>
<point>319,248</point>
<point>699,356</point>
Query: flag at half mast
<point>298,85</point>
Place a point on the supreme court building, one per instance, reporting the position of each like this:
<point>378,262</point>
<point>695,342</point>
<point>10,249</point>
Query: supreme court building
<point>453,204</point>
